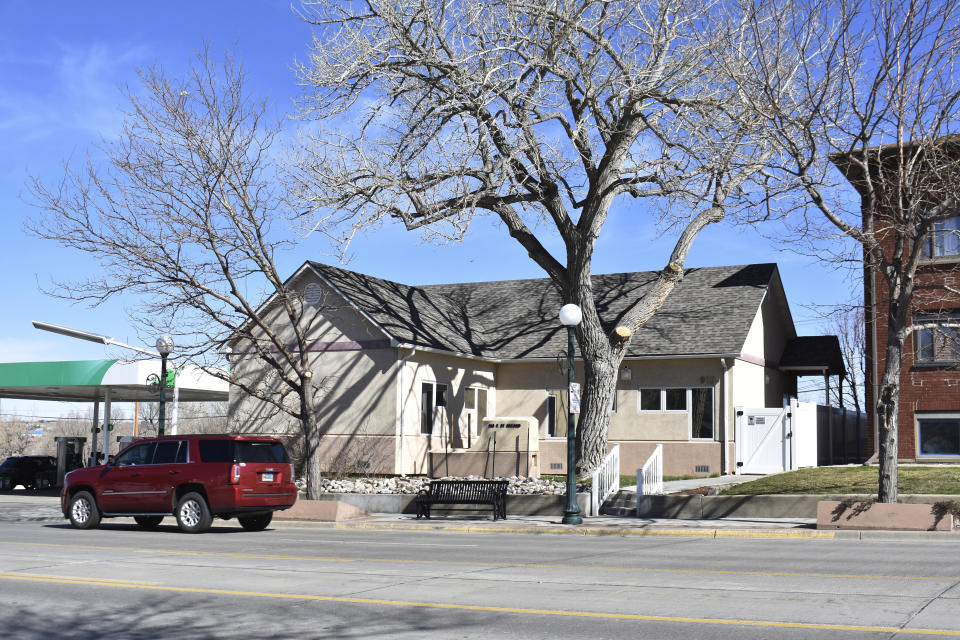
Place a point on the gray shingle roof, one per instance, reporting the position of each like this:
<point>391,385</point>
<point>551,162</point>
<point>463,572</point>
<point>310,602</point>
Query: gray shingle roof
<point>710,312</point>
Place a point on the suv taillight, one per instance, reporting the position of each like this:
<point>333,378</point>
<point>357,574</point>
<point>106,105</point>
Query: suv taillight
<point>290,477</point>
<point>235,474</point>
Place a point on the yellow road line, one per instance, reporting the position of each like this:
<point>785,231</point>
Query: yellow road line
<point>473,563</point>
<point>488,609</point>
<point>79,579</point>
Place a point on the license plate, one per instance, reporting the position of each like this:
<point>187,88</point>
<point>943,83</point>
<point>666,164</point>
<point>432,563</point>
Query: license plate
<point>267,477</point>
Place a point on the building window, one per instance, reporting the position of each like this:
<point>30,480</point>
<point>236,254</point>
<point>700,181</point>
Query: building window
<point>701,414</point>
<point>556,413</point>
<point>943,241</point>
<point>676,399</point>
<point>939,435</point>
<point>475,409</point>
<point>650,399</point>
<point>697,402</point>
<point>432,396</point>
<point>937,344</point>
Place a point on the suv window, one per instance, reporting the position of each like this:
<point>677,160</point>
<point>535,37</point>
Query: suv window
<point>137,454</point>
<point>170,451</point>
<point>216,450</point>
<point>261,452</point>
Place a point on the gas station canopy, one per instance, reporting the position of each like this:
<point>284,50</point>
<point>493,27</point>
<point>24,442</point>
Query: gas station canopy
<point>88,381</point>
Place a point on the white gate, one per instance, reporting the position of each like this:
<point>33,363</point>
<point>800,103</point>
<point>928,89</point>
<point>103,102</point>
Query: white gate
<point>764,440</point>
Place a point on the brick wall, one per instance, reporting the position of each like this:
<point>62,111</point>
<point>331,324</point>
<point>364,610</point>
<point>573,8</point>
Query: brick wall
<point>922,387</point>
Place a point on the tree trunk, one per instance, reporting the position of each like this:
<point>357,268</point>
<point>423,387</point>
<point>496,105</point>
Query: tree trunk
<point>888,406</point>
<point>600,364</point>
<point>308,423</point>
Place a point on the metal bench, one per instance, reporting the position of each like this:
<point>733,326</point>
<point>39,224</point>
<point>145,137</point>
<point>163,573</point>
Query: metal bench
<point>472,492</point>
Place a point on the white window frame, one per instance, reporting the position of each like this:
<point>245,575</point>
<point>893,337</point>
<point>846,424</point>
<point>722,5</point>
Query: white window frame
<point>935,334</point>
<point>944,415</point>
<point>446,402</point>
<point>689,407</point>
<point>475,411</point>
<point>640,408</point>
<point>713,422</point>
<point>561,418</point>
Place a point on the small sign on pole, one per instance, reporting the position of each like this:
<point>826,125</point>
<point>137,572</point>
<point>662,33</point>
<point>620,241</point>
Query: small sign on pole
<point>574,397</point>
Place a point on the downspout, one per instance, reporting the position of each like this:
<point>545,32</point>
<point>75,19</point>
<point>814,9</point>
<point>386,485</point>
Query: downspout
<point>403,398</point>
<point>725,385</point>
<point>873,364</point>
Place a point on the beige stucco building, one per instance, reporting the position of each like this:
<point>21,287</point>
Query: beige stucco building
<point>408,370</point>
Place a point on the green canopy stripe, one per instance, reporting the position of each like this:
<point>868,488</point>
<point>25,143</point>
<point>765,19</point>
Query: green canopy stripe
<point>54,374</point>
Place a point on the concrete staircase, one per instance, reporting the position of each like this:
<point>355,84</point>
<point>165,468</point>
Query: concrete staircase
<point>623,503</point>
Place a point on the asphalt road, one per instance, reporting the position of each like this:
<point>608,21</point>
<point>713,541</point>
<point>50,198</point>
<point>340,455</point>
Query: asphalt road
<point>311,581</point>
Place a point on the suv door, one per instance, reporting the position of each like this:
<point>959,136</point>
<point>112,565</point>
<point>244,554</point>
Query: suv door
<point>125,485</point>
<point>163,474</point>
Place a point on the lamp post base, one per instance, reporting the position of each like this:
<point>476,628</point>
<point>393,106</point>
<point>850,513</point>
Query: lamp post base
<point>572,517</point>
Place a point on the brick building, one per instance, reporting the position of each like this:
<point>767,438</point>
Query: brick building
<point>929,409</point>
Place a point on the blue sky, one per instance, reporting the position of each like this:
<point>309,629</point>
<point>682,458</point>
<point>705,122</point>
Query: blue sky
<point>61,67</point>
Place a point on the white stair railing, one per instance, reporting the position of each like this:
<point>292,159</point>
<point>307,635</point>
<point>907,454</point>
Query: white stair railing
<point>606,480</point>
<point>650,476</point>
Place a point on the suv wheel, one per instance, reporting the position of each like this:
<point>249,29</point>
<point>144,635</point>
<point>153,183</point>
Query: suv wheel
<point>83,511</point>
<point>258,522</point>
<point>148,522</point>
<point>193,514</point>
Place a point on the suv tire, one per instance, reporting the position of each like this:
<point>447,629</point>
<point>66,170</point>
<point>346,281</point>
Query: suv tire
<point>193,514</point>
<point>258,522</point>
<point>148,522</point>
<point>84,513</point>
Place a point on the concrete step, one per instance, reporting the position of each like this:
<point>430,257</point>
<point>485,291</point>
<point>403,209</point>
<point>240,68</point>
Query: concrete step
<point>622,503</point>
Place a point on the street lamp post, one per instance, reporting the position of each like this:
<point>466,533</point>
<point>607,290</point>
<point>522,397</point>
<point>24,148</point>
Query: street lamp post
<point>570,317</point>
<point>164,346</point>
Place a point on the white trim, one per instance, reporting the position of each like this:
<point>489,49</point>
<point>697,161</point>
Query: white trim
<point>713,407</point>
<point>937,415</point>
<point>560,420</point>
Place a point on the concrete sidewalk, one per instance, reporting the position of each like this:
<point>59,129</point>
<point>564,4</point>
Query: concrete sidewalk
<point>35,507</point>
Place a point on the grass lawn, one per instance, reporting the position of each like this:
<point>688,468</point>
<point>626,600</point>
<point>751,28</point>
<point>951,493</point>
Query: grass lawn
<point>858,479</point>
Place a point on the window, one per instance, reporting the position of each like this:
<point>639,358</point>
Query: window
<point>938,343</point>
<point>696,402</point>
<point>261,452</point>
<point>650,399</point>
<point>613,401</point>
<point>943,241</point>
<point>676,399</point>
<point>170,452</point>
<point>216,450</point>
<point>556,410</point>
<point>939,435</point>
<point>426,408</point>
<point>432,396</point>
<point>136,455</point>
<point>701,415</point>
<point>475,409</point>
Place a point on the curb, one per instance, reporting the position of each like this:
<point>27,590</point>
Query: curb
<point>689,532</point>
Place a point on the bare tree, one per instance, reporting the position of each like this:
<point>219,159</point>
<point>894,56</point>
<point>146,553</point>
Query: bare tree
<point>184,212</point>
<point>886,92</point>
<point>543,115</point>
<point>14,439</point>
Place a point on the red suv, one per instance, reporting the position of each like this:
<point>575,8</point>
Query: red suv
<point>194,478</point>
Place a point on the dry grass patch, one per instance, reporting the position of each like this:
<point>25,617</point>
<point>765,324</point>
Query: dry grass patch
<point>855,479</point>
